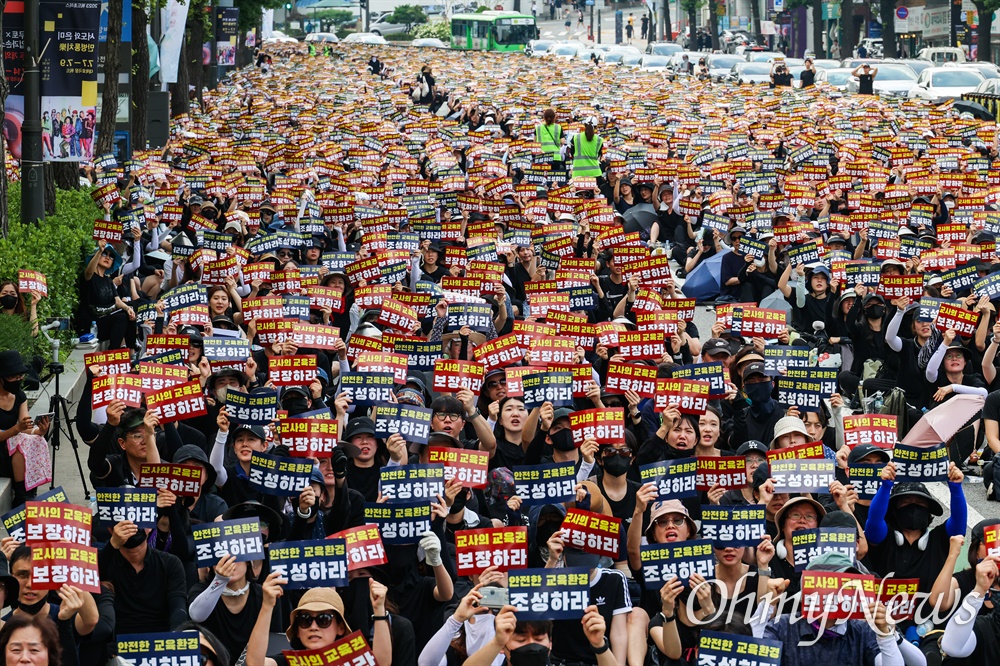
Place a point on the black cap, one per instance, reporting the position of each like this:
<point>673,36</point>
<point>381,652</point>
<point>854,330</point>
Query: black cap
<point>916,489</point>
<point>979,531</point>
<point>839,519</point>
<point>754,368</point>
<point>359,426</point>
<point>256,430</point>
<point>194,453</point>
<point>862,450</point>
<point>750,446</point>
<point>716,346</point>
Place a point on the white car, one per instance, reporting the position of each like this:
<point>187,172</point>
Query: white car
<point>942,54</point>
<point>364,38</point>
<point>891,81</point>
<point>538,47</point>
<point>750,72</point>
<point>987,69</point>
<point>720,64</point>
<point>280,39</point>
<point>942,83</point>
<point>563,51</point>
<point>384,27</point>
<point>429,43</point>
<point>835,78</point>
<point>825,63</point>
<point>326,37</point>
<point>988,87</point>
<point>762,56</point>
<point>654,63</point>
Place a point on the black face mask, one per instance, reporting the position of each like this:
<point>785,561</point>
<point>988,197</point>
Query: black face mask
<point>532,654</point>
<point>209,214</point>
<point>8,302</point>
<point>12,386</point>
<point>135,540</point>
<point>913,517</point>
<point>616,465</point>
<point>33,609</point>
<point>563,440</point>
<point>296,406</point>
<point>875,312</point>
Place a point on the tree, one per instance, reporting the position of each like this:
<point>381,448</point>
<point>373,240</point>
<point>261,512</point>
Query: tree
<point>408,15</point>
<point>848,29</point>
<point>112,65</point>
<point>4,91</point>
<point>887,16</point>
<point>691,7</point>
<point>818,28</point>
<point>713,24</point>
<point>985,9</point>
<point>140,73</point>
<point>755,14</point>
<point>668,28</point>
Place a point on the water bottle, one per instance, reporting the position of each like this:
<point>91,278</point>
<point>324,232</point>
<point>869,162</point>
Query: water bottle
<point>93,329</point>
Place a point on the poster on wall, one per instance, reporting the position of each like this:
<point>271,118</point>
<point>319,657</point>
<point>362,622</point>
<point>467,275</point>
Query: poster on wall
<point>226,35</point>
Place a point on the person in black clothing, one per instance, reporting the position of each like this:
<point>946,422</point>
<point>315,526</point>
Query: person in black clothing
<point>866,320</point>
<point>115,318</point>
<point>117,464</point>
<point>808,75</point>
<point>970,637</point>
<point>430,268</point>
<point>866,78</point>
<point>363,468</point>
<point>780,76</point>
<point>755,417</point>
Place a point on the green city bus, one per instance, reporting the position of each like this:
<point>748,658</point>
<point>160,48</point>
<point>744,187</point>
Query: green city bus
<point>492,31</point>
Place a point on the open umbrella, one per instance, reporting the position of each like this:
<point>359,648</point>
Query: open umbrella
<point>640,218</point>
<point>944,421</point>
<point>704,282</point>
<point>976,109</point>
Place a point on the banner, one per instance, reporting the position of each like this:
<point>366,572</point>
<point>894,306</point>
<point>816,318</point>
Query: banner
<point>592,532</point>
<point>876,429</point>
<point>605,425</point>
<point>807,544</point>
<point>178,402</point>
<point>469,466</point>
<point>56,564</point>
<point>56,521</point>
<point>306,564</point>
<point>117,504</point>
<point>413,423</point>
<point>732,525</point>
<point>173,18</point>
<point>167,649</point>
<point>276,475</point>
<point>718,648</point>
<point>713,373</point>
<point>239,538</point>
<point>802,476</point>
<point>663,561</point>
<point>226,32</point>
<point>364,546</point>
<point>298,370</point>
<point>550,483</point>
<point>550,594</point>
<point>503,547</point>
<point>257,408</point>
<point>405,483</point>
<point>183,480</point>
<point>400,524</point>
<point>725,471</point>
<point>925,464</point>
<point>689,395</point>
<point>309,438</point>
<point>542,387</point>
<point>451,376</point>
<point>674,479</point>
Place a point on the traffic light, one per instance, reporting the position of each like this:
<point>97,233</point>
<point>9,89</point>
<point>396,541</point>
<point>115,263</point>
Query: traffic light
<point>288,6</point>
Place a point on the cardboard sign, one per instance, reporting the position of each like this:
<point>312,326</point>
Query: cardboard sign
<point>778,358</point>
<point>239,538</point>
<point>28,281</point>
<point>451,376</point>
<point>674,479</point>
<point>924,464</point>
<point>641,345</point>
<point>662,562</point>
<point>296,370</point>
<point>56,564</point>
<point>158,376</point>
<point>400,524</point>
<point>177,403</point>
<point>13,520</point>
<point>718,648</point>
<point>276,475</point>
<point>471,467</point>
<point>166,649</point>
<point>364,546</point>
<point>183,480</point>
<point>257,408</point>
<point>223,350</point>
<point>108,388</point>
<point>751,322</point>
<point>541,387</point>
<point>407,483</point>
<point>726,471</point>
<point>108,230</point>
<point>691,396</point>
<point>991,538</point>
<point>117,504</point>
<point>550,483</point>
<point>733,525</point>
<point>866,478</point>
<point>505,548</point>
<point>352,650</point>
<point>605,425</point>
<point>876,429</point>
<point>807,544</point>
<point>56,521</point>
<point>306,564</point>
<point>309,438</point>
<point>550,594</point>
<point>802,476</point>
<point>592,532</point>
<point>805,394</point>
<point>413,423</point>
<point>894,286</point>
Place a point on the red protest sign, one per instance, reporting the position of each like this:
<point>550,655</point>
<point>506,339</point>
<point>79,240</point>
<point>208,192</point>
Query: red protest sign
<point>270,331</point>
<point>109,230</point>
<point>268,307</point>
<point>961,320</point>
<point>606,425</point>
<point>325,297</point>
<point>184,480</point>
<point>752,322</point>
<point>364,546</point>
<point>178,402</point>
<point>315,336</point>
<point>899,595</point>
<point>894,286</point>
<point>56,521</point>
<point>106,194</point>
<point>372,296</point>
<point>641,345</point>
<point>592,532</point>
<point>877,429</point>
<point>297,370</point>
<point>810,451</point>
<point>127,388</point>
<point>726,471</point>
<point>287,281</point>
<point>397,316</point>
<point>839,596</point>
<point>116,361</point>
<point>505,548</point>
<point>451,376</point>
<point>551,349</point>
<point>56,564</point>
<point>690,395</point>
<point>352,650</point>
<point>159,343</point>
<point>514,376</point>
<point>499,352</point>
<point>309,438</point>
<point>622,377</point>
<point>158,376</point>
<point>195,315</point>
<point>469,466</point>
<point>991,538</point>
<point>396,364</point>
<point>32,281</point>
<point>358,344</point>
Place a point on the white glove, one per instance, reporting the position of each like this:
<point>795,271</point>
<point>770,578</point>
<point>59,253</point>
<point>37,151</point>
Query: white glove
<point>431,545</point>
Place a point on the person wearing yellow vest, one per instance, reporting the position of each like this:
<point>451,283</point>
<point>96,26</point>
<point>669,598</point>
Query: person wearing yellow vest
<point>587,147</point>
<point>549,137</point>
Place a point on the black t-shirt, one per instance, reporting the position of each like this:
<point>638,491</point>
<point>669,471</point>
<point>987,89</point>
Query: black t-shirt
<point>908,560</point>
<point>782,79</point>
<point>808,77</point>
<point>991,408</point>
<point>865,83</point>
<point>364,480</point>
<point>508,454</point>
<point>435,275</point>
<point>234,630</point>
<point>609,592</point>
<point>8,419</point>
<point>613,292</point>
<point>101,291</point>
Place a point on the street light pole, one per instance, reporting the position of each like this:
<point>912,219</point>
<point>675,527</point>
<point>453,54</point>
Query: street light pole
<point>32,166</point>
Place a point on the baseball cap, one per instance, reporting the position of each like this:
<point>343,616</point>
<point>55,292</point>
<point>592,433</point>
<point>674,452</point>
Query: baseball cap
<point>716,346</point>
<point>359,426</point>
<point>754,368</point>
<point>752,445</point>
<point>862,450</point>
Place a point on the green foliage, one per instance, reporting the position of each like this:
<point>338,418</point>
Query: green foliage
<point>482,8</point>
<point>438,30</point>
<point>15,333</point>
<point>398,37</point>
<point>56,247</point>
<point>408,15</point>
<point>250,11</point>
<point>338,16</point>
<point>692,5</point>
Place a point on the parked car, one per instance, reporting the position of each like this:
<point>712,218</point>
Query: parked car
<point>836,78</point>
<point>429,43</point>
<point>663,48</point>
<point>941,54</point>
<point>762,56</point>
<point>851,63</point>
<point>873,46</point>
<point>825,63</point>
<point>988,87</point>
<point>893,80</point>
<point>654,63</point>
<point>942,83</point>
<point>324,37</point>
<point>384,27</point>
<point>563,51</point>
<point>750,72</point>
<point>538,47</point>
<point>364,38</point>
<point>987,69</point>
<point>721,64</point>
<point>916,65</point>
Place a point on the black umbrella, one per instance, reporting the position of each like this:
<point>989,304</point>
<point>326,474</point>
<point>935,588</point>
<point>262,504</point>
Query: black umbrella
<point>640,218</point>
<point>976,109</point>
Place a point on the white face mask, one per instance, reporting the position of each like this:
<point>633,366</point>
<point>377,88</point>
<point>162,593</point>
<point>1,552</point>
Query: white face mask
<point>664,206</point>
<point>949,204</point>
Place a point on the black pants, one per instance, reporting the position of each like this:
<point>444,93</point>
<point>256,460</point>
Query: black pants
<point>116,329</point>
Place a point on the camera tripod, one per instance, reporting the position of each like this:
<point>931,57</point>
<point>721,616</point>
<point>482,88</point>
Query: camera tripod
<point>61,422</point>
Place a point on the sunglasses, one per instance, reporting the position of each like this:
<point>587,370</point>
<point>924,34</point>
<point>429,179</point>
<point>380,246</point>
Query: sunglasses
<point>305,620</point>
<point>624,452</point>
<point>493,384</point>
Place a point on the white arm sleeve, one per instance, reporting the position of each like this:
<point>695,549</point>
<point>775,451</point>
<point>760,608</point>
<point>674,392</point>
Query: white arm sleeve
<point>892,332</point>
<point>959,639</point>
<point>218,458</point>
<point>433,653</point>
<point>203,605</point>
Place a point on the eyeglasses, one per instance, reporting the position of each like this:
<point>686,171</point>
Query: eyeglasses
<point>208,657</point>
<point>447,416</point>
<point>624,452</point>
<point>808,518</point>
<point>305,620</point>
<point>953,356</point>
<point>667,521</point>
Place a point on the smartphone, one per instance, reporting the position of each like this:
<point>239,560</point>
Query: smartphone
<point>494,597</point>
<point>63,322</point>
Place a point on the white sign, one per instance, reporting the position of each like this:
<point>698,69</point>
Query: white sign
<point>936,22</point>
<point>914,21</point>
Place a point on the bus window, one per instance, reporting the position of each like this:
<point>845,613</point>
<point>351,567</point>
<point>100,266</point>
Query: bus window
<point>507,34</point>
<point>482,30</point>
<point>458,29</point>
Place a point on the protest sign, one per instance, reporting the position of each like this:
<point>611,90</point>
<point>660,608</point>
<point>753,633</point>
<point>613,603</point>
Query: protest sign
<point>875,429</point>
<point>56,564</point>
<point>605,425</point>
<point>661,562</point>
<point>505,548</point>
<point>276,475</point>
<point>413,423</point>
<point>923,464</point>
<point>183,480</point>
<point>718,648</point>
<point>402,523</point>
<point>674,479</point>
<point>179,648</point>
<point>406,483</point>
<point>470,467</point>
<point>592,532</point>
<point>117,504</point>
<point>549,483</point>
<point>550,594</point>
<point>802,476</point>
<point>305,564</point>
<point>807,544</point>
<point>690,396</point>
<point>56,521</point>
<point>713,373</point>
<point>368,388</point>
<point>724,471</point>
<point>13,520</point>
<point>240,538</point>
<point>865,479</point>
<point>733,525</point>
<point>364,546</point>
<point>542,387</point>
<point>257,408</point>
<point>295,370</point>
<point>351,650</point>
<point>178,402</point>
<point>451,376</point>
